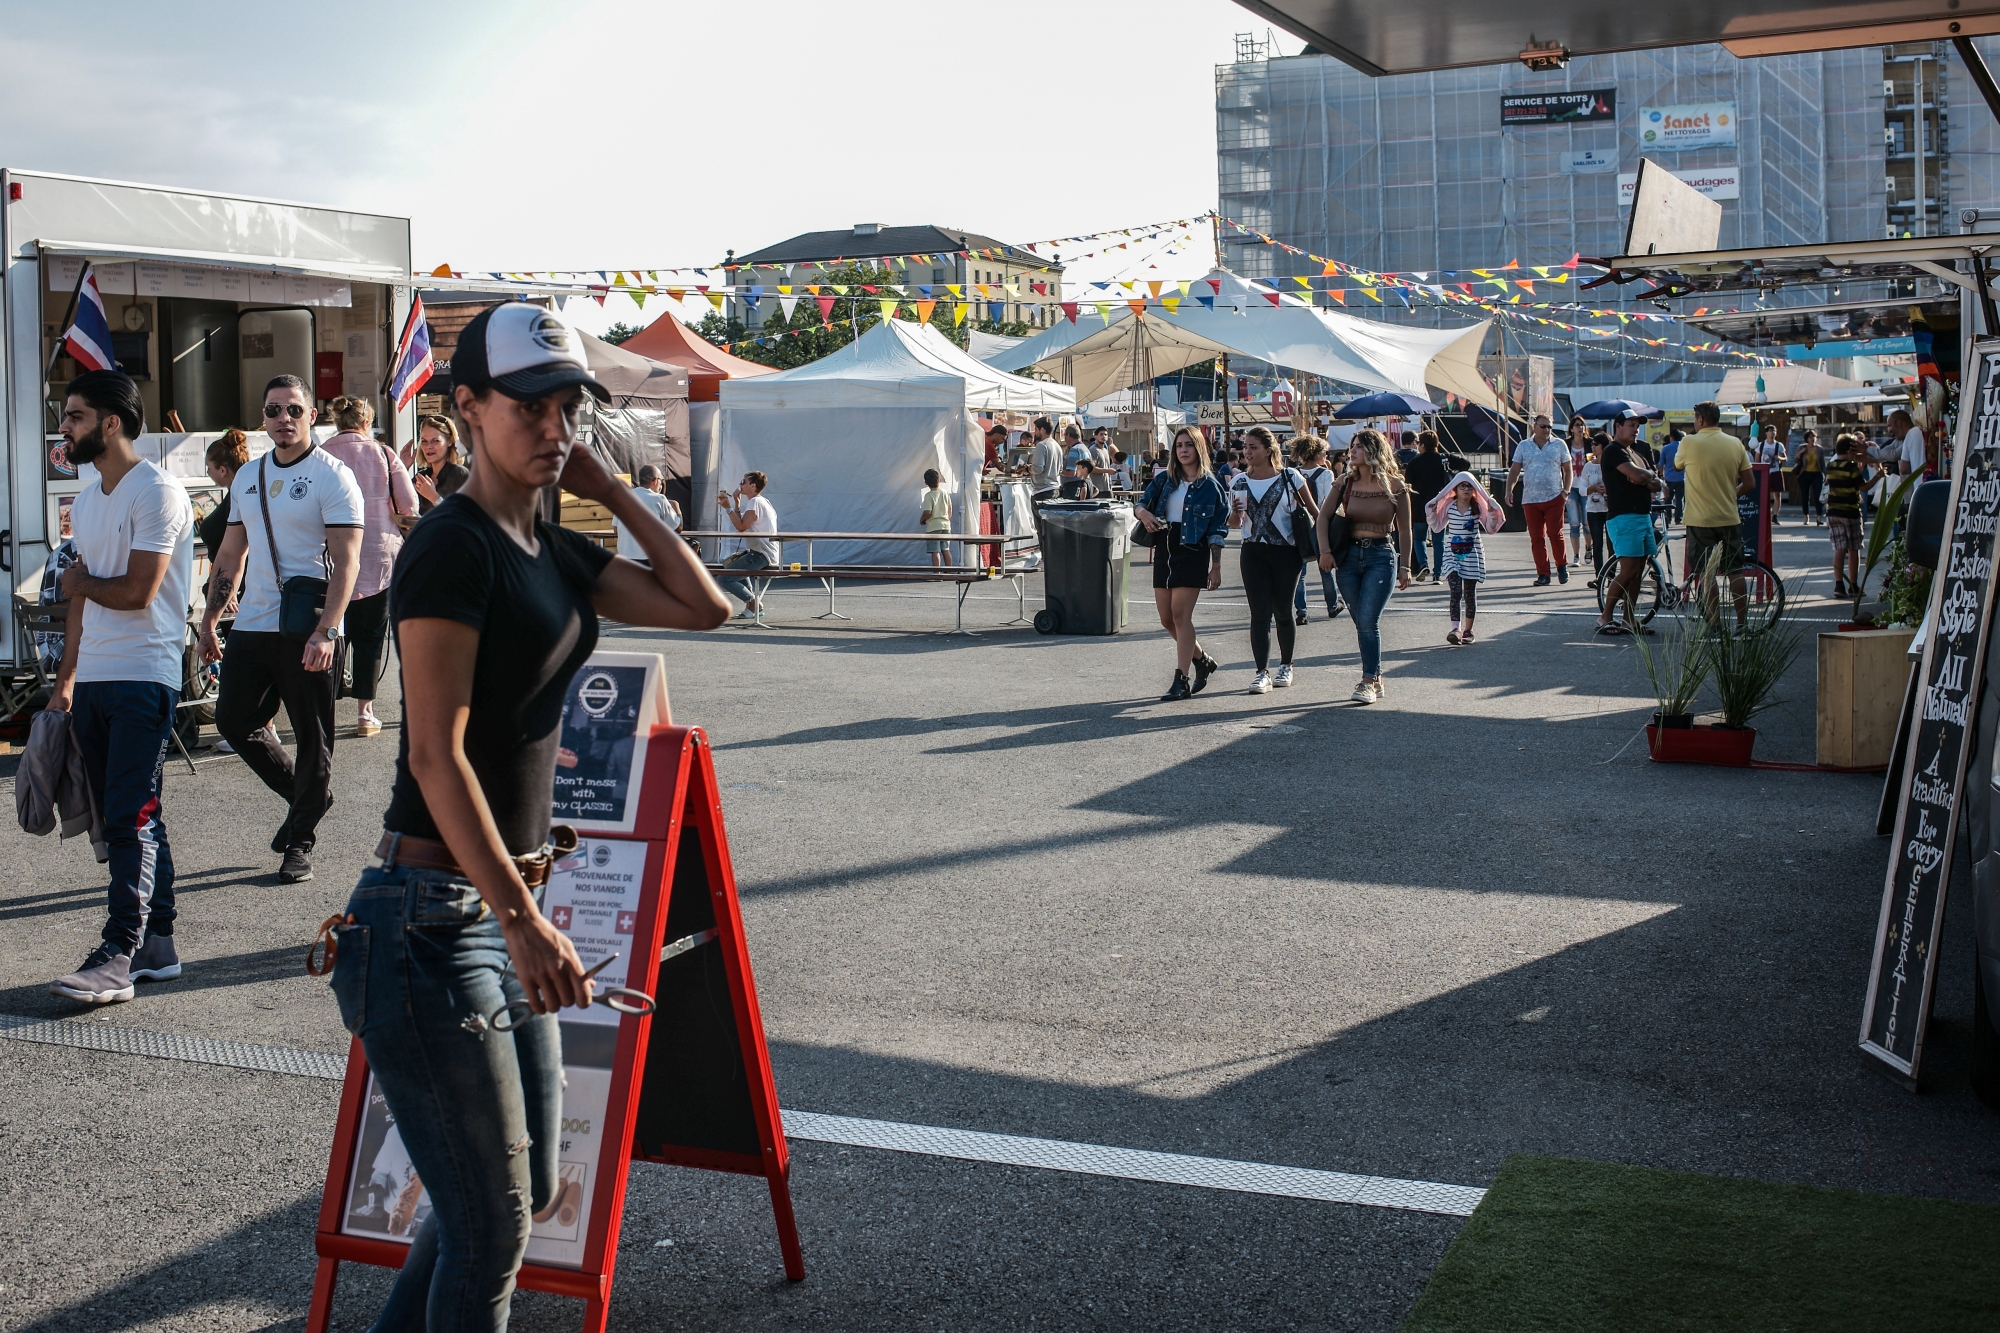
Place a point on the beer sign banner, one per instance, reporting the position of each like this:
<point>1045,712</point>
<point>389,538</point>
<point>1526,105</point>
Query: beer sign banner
<point>1904,973</point>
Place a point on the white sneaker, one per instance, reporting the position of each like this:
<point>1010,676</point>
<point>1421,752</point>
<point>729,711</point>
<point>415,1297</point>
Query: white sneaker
<point>1283,679</point>
<point>1260,683</point>
<point>1367,692</point>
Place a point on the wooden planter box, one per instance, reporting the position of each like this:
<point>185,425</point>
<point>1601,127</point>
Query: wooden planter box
<point>1862,676</point>
<point>1729,747</point>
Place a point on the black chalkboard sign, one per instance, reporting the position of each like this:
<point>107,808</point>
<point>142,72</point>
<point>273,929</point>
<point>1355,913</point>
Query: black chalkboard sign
<point>696,1095</point>
<point>1941,738</point>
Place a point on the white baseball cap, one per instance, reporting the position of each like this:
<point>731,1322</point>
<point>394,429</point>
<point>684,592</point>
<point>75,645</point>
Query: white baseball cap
<point>523,351</point>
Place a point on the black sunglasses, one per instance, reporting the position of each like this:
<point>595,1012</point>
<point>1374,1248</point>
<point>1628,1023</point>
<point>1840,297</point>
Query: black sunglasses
<point>292,410</point>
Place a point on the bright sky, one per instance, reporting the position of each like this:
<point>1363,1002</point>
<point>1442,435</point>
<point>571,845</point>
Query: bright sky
<point>548,134</point>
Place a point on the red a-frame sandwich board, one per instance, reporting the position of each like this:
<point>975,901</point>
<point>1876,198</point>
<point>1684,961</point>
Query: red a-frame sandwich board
<point>665,1113</point>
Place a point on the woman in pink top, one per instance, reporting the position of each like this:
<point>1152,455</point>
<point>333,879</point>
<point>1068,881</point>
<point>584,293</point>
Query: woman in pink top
<point>390,506</point>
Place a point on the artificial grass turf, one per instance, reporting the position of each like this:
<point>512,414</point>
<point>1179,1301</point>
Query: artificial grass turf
<point>1561,1244</point>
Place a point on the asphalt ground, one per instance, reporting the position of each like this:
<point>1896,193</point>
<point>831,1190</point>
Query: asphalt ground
<point>994,884</point>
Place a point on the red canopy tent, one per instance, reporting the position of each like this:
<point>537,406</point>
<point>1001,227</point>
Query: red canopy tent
<point>667,339</point>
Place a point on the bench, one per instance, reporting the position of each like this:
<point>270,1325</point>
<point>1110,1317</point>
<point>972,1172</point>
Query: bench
<point>829,573</point>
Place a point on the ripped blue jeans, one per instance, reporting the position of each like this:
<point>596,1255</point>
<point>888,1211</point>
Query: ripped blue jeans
<point>479,1110</point>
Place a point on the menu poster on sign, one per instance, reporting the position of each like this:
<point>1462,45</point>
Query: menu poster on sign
<point>592,897</point>
<point>1941,739</point>
<point>614,702</point>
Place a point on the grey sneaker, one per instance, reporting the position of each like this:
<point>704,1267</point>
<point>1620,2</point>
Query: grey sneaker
<point>104,978</point>
<point>156,959</point>
<point>297,868</point>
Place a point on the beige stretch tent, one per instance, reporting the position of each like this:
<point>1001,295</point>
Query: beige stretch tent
<point>646,420</point>
<point>1226,315</point>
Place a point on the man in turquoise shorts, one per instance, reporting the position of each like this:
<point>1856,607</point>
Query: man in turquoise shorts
<point>1629,483</point>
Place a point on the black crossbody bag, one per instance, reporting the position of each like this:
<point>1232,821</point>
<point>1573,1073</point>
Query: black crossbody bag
<point>301,599</point>
<point>1339,529</point>
<point>1305,535</point>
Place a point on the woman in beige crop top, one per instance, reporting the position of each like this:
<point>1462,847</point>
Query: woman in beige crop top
<point>1377,505</point>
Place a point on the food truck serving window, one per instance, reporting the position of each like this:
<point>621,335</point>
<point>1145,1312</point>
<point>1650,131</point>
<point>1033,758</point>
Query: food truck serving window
<point>203,340</point>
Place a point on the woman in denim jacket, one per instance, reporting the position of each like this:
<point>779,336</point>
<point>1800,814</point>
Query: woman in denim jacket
<point>1187,505</point>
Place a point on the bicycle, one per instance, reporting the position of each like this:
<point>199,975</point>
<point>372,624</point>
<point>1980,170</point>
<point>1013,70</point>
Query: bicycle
<point>1749,591</point>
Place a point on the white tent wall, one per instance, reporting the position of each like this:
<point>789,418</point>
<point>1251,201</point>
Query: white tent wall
<point>855,469</point>
<point>845,440</point>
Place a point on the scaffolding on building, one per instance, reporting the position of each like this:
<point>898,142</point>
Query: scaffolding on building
<point>1414,173</point>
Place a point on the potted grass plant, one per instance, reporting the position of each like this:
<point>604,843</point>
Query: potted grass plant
<point>1881,535</point>
<point>1677,665</point>
<point>1749,666</point>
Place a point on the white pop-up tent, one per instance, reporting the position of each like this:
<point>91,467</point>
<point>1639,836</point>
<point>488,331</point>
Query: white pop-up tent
<point>1227,315</point>
<point>845,440</point>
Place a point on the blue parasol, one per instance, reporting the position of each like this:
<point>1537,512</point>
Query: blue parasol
<point>1386,405</point>
<point>1606,409</point>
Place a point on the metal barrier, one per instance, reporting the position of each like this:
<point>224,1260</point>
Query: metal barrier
<point>829,574</point>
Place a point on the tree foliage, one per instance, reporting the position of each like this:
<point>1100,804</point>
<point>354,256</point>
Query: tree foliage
<point>620,332</point>
<point>806,337</point>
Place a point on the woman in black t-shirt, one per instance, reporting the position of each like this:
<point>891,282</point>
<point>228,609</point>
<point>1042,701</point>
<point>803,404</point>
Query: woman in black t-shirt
<point>442,469</point>
<point>494,611</point>
<point>1629,483</point>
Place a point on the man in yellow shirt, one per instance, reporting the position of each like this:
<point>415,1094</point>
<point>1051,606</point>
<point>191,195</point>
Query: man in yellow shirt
<point>1717,467</point>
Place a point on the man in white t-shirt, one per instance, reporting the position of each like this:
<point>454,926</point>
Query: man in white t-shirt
<point>120,678</point>
<point>749,513</point>
<point>651,491</point>
<point>1912,455</point>
<point>303,508</point>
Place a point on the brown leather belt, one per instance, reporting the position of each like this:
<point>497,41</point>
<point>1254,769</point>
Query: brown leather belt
<point>401,849</point>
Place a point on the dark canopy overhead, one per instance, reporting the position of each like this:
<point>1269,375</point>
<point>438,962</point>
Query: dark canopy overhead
<point>1395,37</point>
<point>1925,260</point>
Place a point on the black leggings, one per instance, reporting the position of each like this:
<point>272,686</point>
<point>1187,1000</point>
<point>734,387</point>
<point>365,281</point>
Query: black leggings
<point>367,639</point>
<point>1270,573</point>
<point>1466,591</point>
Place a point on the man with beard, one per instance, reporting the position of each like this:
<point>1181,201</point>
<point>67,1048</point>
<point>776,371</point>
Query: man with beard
<point>296,514</point>
<point>120,677</point>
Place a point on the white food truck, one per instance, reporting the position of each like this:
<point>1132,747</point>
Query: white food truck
<point>208,296</point>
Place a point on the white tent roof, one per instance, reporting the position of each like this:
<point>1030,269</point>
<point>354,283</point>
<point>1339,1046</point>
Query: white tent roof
<point>1782,384</point>
<point>899,363</point>
<point>1241,318</point>
<point>988,347</point>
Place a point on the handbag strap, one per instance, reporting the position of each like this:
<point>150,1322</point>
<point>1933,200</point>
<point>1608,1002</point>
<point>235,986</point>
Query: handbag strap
<point>390,463</point>
<point>270,543</point>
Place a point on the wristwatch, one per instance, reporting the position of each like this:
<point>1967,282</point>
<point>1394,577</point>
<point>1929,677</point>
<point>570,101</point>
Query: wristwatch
<point>332,633</point>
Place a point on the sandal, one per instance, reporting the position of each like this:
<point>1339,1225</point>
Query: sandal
<point>1612,630</point>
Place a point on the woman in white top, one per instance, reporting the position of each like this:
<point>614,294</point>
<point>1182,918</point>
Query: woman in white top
<point>1579,454</point>
<point>1596,509</point>
<point>751,514</point>
<point>1772,450</point>
<point>1266,501</point>
<point>1322,474</point>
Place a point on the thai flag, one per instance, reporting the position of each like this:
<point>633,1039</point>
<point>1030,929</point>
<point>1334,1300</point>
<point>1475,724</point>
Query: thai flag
<point>89,337</point>
<point>414,366</point>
